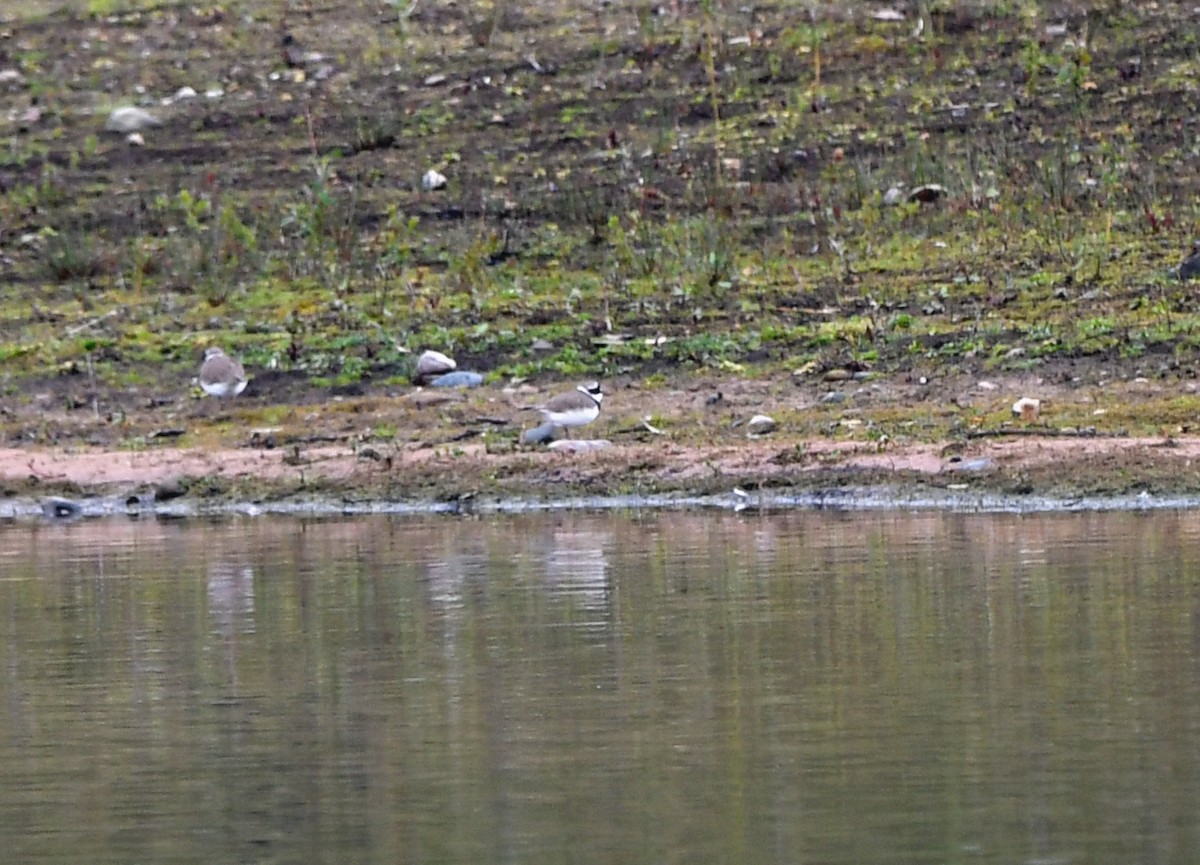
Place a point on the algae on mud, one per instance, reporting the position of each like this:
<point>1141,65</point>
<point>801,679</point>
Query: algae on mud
<point>685,200</point>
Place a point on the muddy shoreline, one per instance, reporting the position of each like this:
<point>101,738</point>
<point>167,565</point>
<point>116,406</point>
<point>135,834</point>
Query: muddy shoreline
<point>1025,472</point>
<point>890,442</point>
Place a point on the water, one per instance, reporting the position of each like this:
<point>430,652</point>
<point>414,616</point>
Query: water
<point>661,688</point>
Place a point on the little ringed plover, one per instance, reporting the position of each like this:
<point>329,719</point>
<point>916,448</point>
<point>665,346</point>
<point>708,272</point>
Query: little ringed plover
<point>574,407</point>
<point>221,375</point>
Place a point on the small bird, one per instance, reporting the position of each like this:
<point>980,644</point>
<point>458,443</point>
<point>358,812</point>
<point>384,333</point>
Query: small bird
<point>221,375</point>
<point>293,54</point>
<point>1189,268</point>
<point>575,407</point>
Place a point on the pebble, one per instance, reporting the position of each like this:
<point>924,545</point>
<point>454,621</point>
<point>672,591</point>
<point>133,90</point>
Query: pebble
<point>423,398</point>
<point>579,446</point>
<point>129,119</point>
<point>539,435</point>
<point>182,93</point>
<point>56,508</point>
<point>169,488</point>
<point>434,363</point>
<point>462,378</point>
<point>760,425</point>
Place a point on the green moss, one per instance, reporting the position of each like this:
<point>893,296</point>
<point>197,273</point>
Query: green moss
<point>712,219</point>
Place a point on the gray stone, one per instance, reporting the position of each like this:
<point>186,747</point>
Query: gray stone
<point>760,425</point>
<point>56,508</point>
<point>462,378</point>
<point>540,435</point>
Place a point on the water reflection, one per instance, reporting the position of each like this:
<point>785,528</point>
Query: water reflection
<point>231,597</point>
<point>638,688</point>
<point>574,566</point>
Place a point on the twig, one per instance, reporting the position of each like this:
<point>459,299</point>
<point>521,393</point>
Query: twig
<point>312,135</point>
<point>79,328</point>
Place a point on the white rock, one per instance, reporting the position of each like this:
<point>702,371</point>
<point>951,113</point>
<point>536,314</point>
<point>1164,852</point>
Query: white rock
<point>434,363</point>
<point>433,180</point>
<point>893,196</point>
<point>579,446</point>
<point>761,424</point>
<point>130,119</point>
<point>135,139</point>
<point>8,76</point>
<point>888,15</point>
<point>185,93</point>
<point>1026,408</point>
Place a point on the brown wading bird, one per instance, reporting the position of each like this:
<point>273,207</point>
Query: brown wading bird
<point>221,375</point>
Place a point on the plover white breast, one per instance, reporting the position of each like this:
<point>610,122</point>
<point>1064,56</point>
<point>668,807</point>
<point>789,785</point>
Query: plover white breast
<point>575,407</point>
<point>221,375</point>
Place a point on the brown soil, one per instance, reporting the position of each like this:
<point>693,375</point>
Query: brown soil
<point>95,366</point>
<point>447,445</point>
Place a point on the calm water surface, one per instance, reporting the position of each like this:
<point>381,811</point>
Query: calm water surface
<point>664,688</point>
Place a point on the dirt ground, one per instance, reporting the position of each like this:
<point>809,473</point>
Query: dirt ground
<point>426,445</point>
<point>685,200</point>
